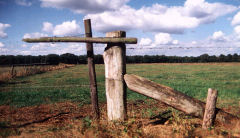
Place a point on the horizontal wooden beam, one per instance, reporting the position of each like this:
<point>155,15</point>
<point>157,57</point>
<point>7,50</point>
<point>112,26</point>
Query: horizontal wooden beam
<point>82,39</point>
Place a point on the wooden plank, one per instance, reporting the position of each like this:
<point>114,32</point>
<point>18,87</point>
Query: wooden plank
<point>82,39</point>
<point>115,68</point>
<point>210,109</point>
<point>91,71</point>
<point>175,99</point>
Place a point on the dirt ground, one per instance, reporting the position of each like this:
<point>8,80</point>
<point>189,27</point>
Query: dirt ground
<point>145,119</point>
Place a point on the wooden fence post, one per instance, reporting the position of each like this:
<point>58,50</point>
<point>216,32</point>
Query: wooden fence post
<point>115,68</point>
<point>210,109</point>
<point>91,69</point>
<point>12,72</point>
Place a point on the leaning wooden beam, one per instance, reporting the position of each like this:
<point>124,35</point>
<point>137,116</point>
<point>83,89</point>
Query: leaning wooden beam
<point>82,39</point>
<point>174,98</point>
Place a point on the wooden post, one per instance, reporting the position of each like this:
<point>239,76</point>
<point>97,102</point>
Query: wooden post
<point>92,73</point>
<point>210,109</point>
<point>115,68</point>
<point>175,99</point>
<point>12,72</point>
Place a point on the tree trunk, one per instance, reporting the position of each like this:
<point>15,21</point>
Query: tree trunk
<point>173,98</point>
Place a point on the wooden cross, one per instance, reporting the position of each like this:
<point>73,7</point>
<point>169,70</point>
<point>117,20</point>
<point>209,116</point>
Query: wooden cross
<point>115,68</point>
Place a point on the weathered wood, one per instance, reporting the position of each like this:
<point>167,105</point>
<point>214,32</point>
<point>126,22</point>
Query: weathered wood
<point>210,114</point>
<point>12,72</point>
<point>91,71</point>
<point>82,39</point>
<point>173,98</point>
<point>115,68</point>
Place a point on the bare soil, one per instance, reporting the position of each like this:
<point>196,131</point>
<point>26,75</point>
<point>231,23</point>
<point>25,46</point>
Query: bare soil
<point>147,118</point>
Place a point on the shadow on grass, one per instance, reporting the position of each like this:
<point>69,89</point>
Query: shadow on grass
<point>13,83</point>
<point>161,118</point>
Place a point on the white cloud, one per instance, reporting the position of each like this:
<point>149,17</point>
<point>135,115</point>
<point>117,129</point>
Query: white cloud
<point>24,45</point>
<point>236,32</point>
<point>25,52</point>
<point>218,36</point>
<point>2,28</point>
<point>159,18</point>
<point>145,42</point>
<point>3,50</point>
<point>47,27</point>
<point>206,12</point>
<point>67,28</point>
<point>164,39</point>
<point>236,19</point>
<point>40,47</point>
<point>175,42</point>
<point>34,35</point>
<point>85,6</point>
<point>194,42</point>
<point>237,29</point>
<point>23,2</point>
<point>1,45</point>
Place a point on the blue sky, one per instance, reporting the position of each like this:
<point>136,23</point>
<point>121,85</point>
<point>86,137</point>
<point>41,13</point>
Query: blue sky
<point>163,27</point>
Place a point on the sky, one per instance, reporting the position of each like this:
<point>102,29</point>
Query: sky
<point>163,27</point>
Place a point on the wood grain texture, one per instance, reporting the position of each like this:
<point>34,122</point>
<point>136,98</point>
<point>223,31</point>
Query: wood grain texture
<point>82,39</point>
<point>115,68</point>
<point>175,99</point>
<point>210,109</point>
<point>91,71</point>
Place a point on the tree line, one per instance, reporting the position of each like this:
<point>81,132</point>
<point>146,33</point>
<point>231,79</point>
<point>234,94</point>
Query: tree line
<point>69,58</point>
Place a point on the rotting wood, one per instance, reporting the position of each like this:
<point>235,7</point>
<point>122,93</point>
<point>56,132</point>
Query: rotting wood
<point>91,71</point>
<point>210,114</point>
<point>115,68</point>
<point>175,99</point>
<point>83,39</point>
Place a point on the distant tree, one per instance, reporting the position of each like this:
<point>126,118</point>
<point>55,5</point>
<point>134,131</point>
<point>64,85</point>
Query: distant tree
<point>69,58</point>
<point>222,58</point>
<point>235,57</point>
<point>52,59</point>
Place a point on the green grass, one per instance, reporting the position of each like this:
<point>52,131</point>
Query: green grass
<point>71,84</point>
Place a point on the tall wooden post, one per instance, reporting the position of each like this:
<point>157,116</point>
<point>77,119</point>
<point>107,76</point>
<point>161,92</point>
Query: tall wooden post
<point>115,68</point>
<point>210,109</point>
<point>91,68</point>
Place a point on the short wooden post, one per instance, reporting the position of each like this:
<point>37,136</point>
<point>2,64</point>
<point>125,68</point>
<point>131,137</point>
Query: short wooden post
<point>92,73</point>
<point>115,68</point>
<point>12,72</point>
<point>210,109</point>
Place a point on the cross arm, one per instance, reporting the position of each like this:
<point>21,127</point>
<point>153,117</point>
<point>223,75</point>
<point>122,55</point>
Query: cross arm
<point>128,40</point>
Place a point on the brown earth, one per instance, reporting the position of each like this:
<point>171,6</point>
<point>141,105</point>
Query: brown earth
<point>145,119</point>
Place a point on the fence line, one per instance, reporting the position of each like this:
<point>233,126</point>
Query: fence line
<point>177,47</point>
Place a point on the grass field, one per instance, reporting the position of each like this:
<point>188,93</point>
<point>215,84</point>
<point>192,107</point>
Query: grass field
<point>70,85</point>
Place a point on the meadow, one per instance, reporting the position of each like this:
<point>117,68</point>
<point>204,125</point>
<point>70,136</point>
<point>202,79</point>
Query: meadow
<point>71,85</point>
